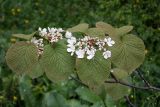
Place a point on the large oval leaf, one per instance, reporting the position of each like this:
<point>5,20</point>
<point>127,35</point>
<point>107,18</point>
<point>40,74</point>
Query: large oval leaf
<point>129,54</point>
<point>95,71</point>
<point>79,28</point>
<point>57,63</point>
<point>22,57</point>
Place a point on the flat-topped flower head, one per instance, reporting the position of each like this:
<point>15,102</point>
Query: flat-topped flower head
<point>52,34</point>
<point>88,46</point>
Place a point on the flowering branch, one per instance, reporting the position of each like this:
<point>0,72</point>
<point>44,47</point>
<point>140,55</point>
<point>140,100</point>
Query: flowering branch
<point>147,87</point>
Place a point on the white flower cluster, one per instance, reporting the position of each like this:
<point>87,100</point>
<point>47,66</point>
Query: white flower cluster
<point>88,45</point>
<point>39,44</point>
<point>81,47</point>
<point>51,34</point>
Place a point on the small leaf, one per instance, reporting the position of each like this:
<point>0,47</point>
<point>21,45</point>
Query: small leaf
<point>75,103</point>
<point>129,54</point>
<point>87,95</point>
<point>96,32</point>
<point>95,71</point>
<point>22,57</point>
<point>24,36</point>
<point>57,62</point>
<point>79,28</point>
<point>123,30</point>
<point>117,91</point>
<point>98,104</point>
<point>109,29</point>
<point>52,99</point>
<point>120,73</point>
<point>25,89</point>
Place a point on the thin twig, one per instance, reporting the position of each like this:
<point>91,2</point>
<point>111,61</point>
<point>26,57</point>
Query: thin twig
<point>129,102</point>
<point>142,77</point>
<point>133,86</point>
<point>114,77</point>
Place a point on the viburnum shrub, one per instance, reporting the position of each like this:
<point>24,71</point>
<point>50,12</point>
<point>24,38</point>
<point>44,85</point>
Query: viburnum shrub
<point>89,53</point>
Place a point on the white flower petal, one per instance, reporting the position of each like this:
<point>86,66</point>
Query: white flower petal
<point>80,53</point>
<point>90,56</point>
<point>68,34</point>
<point>107,54</point>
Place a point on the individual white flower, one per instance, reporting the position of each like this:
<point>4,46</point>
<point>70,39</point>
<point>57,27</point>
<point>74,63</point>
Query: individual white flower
<point>72,40</point>
<point>91,53</point>
<point>68,34</point>
<point>80,53</point>
<point>52,30</point>
<point>34,40</point>
<point>107,54</point>
<point>109,41</point>
<point>42,32</point>
<point>60,30</point>
<point>71,48</point>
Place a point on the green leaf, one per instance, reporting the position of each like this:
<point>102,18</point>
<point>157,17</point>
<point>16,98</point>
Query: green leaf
<point>123,30</point>
<point>109,101</point>
<point>25,89</point>
<point>36,71</point>
<point>79,28</point>
<point>22,57</point>
<point>120,73</point>
<point>75,103</point>
<point>98,104</point>
<point>57,62</point>
<point>129,54</point>
<point>95,71</point>
<point>117,91</point>
<point>95,32</point>
<point>87,95</point>
<point>109,29</point>
<point>52,99</point>
<point>24,36</point>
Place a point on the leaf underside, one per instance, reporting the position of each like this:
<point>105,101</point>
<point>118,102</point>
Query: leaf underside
<point>57,63</point>
<point>93,72</point>
<point>129,54</point>
<point>22,57</point>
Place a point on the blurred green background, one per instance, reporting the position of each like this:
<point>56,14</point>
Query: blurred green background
<point>25,16</point>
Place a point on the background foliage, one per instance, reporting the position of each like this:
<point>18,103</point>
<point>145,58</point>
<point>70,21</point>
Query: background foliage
<point>25,16</point>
